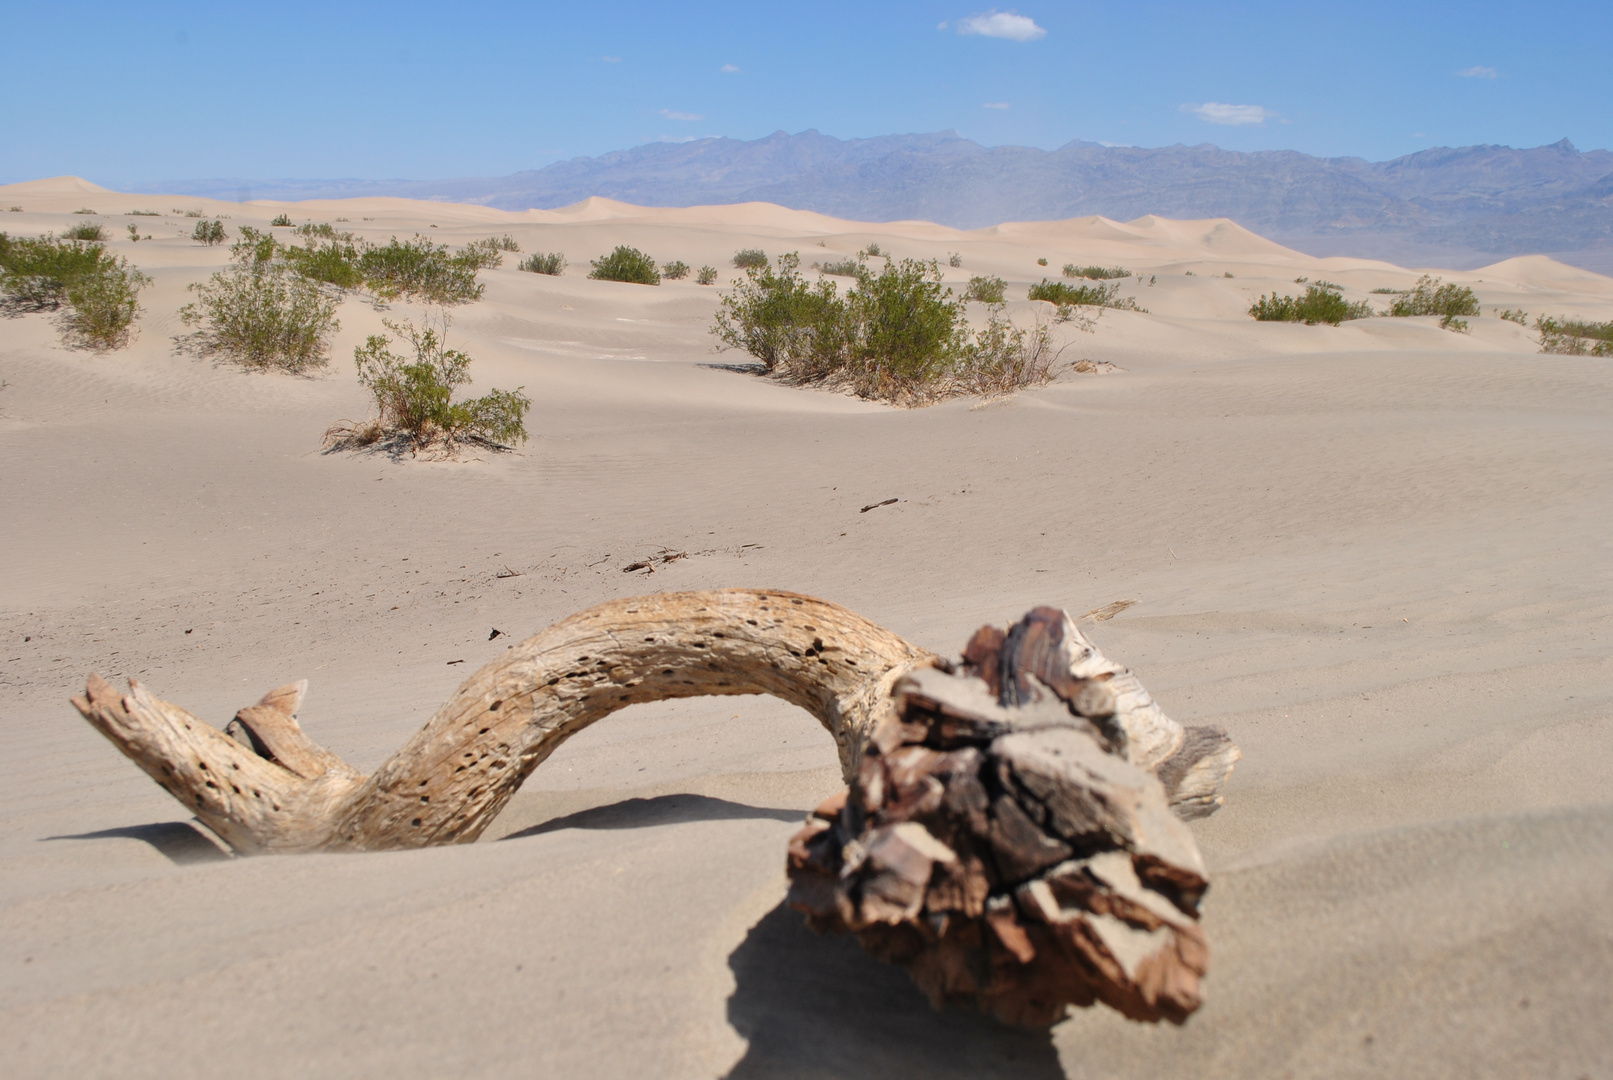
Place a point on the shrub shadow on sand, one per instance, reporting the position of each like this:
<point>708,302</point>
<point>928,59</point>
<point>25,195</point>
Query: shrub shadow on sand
<point>815,1007</point>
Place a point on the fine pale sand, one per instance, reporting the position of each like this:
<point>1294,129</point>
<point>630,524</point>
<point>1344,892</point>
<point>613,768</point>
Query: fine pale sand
<point>1377,554</point>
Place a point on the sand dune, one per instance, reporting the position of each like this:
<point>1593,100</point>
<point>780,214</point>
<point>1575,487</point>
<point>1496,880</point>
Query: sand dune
<point>1377,554</point>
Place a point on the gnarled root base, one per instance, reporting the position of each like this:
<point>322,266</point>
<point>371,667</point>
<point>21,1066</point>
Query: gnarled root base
<point>997,845</point>
<point>1009,832</point>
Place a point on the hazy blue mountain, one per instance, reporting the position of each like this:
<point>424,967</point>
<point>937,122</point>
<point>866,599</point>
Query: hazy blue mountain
<point>1463,205</point>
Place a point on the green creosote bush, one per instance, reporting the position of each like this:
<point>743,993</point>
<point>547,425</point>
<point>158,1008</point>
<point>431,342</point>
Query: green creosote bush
<point>322,229</point>
<point>954,260</point>
<point>83,210</point>
<point>750,259</point>
<point>1095,273</point>
<point>198,213</point>
<point>552,263</point>
<point>1517,315</point>
<point>281,222</point>
<point>842,268</point>
<point>626,264</point>
<point>676,270</point>
<point>1323,283</point>
<point>987,290</point>
<point>414,395</point>
<point>134,232</point>
<point>1387,292</point>
<point>707,276</point>
<point>875,251</point>
<point>483,254</point>
<point>1226,273</point>
<point>1429,297</point>
<point>208,232</point>
<point>89,230</point>
<point>1041,262</point>
<point>1318,305</point>
<point>260,312</point>
<point>899,335</point>
<point>1060,294</point>
<point>15,209</point>
<point>333,262</point>
<point>418,270</point>
<point>504,243</point>
<point>142,213</point>
<point>101,291</point>
<point>1574,337</point>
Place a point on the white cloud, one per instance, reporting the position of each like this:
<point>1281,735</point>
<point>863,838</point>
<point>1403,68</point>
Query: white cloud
<point>728,69</point>
<point>1478,73</point>
<point>673,114</point>
<point>995,105</point>
<point>679,138</point>
<point>1001,24</point>
<point>1214,112</point>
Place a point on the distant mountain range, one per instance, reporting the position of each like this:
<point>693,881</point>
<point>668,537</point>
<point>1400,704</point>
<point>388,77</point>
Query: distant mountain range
<point>1457,207</point>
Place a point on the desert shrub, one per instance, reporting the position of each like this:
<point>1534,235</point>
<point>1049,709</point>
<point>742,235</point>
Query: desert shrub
<point>1041,262</point>
<point>89,230</point>
<point>875,250</point>
<point>208,232</point>
<point>750,259</point>
<point>142,213</point>
<point>899,335</point>
<point>1429,297</point>
<point>1575,337</point>
<point>707,276</point>
<point>414,395</point>
<point>1096,273</point>
<point>198,213</point>
<point>322,229</point>
<point>504,243</point>
<point>626,264</point>
<point>14,209</point>
<point>333,262</point>
<point>552,263</point>
<point>987,290</point>
<point>83,210</point>
<point>1318,305</point>
<point>1387,292</point>
<point>954,259</point>
<point>260,311</point>
<point>1062,295</point>
<point>1226,273</point>
<point>842,268</point>
<point>482,254</point>
<point>676,270</point>
<point>1517,315</point>
<point>419,270</point>
<point>102,304</point>
<point>282,221</point>
<point>35,273</point>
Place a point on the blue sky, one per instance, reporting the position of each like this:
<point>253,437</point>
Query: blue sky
<point>140,92</point>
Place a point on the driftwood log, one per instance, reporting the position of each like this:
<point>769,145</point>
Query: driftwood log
<point>1008,831</point>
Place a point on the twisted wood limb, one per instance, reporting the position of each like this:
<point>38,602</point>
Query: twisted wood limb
<point>1008,833</point>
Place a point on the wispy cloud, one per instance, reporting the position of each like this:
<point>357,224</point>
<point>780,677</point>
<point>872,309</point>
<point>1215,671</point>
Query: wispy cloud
<point>1214,112</point>
<point>1007,25</point>
<point>995,105</point>
<point>673,114</point>
<point>679,138</point>
<point>729,69</point>
<point>1478,73</point>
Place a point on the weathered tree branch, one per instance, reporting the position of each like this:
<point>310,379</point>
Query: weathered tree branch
<point>1008,833</point>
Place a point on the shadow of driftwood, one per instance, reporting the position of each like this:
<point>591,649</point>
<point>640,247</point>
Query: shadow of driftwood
<point>180,841</point>
<point>660,810</point>
<point>816,1006</point>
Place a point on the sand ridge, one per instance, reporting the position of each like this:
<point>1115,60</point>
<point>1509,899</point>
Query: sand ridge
<point>1375,553</point>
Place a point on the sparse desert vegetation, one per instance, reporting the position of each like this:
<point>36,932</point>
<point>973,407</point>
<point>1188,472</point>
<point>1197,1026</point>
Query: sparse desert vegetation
<point>414,395</point>
<point>842,267</point>
<point>1430,297</point>
<point>552,263</point>
<point>1516,315</point>
<point>1096,273</point>
<point>986,290</point>
<point>419,270</point>
<point>208,232</point>
<point>676,270</point>
<point>707,276</point>
<point>899,335</point>
<point>1320,304</point>
<point>100,290</point>
<point>260,311</point>
<point>750,259</point>
<point>955,260</point>
<point>89,230</point>
<point>281,221</point>
<point>1575,337</point>
<point>627,264</point>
